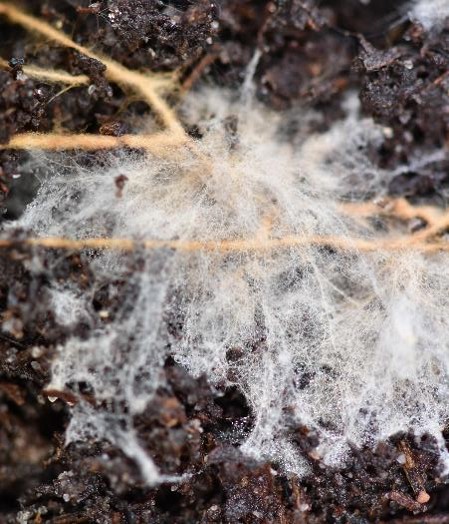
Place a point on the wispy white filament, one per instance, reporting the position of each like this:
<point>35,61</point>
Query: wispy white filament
<point>430,13</point>
<point>354,346</point>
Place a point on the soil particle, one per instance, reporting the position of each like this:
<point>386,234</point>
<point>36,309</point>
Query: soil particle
<point>405,89</point>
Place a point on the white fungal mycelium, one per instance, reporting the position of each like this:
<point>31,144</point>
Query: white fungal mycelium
<point>353,344</point>
<point>430,13</point>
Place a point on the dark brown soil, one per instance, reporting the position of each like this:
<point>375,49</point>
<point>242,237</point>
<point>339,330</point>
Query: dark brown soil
<point>310,56</point>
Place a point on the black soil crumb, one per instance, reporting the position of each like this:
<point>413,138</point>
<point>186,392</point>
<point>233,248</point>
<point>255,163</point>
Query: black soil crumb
<point>312,53</point>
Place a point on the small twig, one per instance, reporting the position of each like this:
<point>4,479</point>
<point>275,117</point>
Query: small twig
<point>197,71</point>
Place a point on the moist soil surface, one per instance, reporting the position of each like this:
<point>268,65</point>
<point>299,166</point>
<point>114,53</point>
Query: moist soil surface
<point>310,56</point>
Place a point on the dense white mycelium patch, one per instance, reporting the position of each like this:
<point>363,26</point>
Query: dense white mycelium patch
<point>430,13</point>
<point>352,345</point>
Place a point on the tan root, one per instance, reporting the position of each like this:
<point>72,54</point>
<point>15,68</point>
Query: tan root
<point>115,72</point>
<point>239,245</point>
<point>165,142</point>
<point>52,77</point>
<point>158,143</point>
